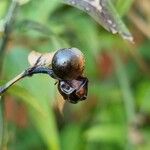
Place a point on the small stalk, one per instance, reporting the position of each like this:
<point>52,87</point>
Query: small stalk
<point>8,23</point>
<point>128,98</point>
<point>27,73</point>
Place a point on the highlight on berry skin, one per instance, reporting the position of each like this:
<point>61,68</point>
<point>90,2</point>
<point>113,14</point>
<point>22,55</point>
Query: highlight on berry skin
<point>66,66</point>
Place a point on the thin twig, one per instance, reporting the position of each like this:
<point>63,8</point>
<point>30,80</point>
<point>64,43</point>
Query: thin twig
<point>27,73</point>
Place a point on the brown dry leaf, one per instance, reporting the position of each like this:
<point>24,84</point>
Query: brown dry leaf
<point>45,58</point>
<point>142,19</point>
<point>59,104</point>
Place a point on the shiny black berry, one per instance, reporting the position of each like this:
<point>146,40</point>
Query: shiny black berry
<point>68,63</point>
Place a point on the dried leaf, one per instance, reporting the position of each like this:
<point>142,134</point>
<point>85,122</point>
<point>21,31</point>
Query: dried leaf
<point>45,58</point>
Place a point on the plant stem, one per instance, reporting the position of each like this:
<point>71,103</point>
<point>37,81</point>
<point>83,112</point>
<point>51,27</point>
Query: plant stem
<point>8,22</point>
<point>27,73</point>
<point>128,98</point>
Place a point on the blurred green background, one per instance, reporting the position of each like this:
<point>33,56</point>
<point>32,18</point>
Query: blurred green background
<point>116,114</point>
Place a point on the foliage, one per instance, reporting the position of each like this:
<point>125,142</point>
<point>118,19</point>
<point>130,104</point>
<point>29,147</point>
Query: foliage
<point>116,114</point>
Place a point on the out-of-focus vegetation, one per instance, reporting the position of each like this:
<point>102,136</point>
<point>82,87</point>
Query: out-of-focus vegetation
<point>115,116</point>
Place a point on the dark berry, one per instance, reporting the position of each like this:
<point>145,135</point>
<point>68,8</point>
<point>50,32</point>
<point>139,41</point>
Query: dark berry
<point>68,63</point>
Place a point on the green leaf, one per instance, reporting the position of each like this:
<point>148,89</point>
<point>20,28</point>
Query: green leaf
<point>3,7</point>
<point>1,123</point>
<point>108,133</point>
<point>22,2</point>
<point>37,10</point>
<point>71,132</point>
<point>144,50</point>
<point>26,97</point>
<point>38,92</point>
<point>123,6</point>
<point>105,14</point>
<point>44,91</point>
<point>143,96</point>
<point>128,98</point>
